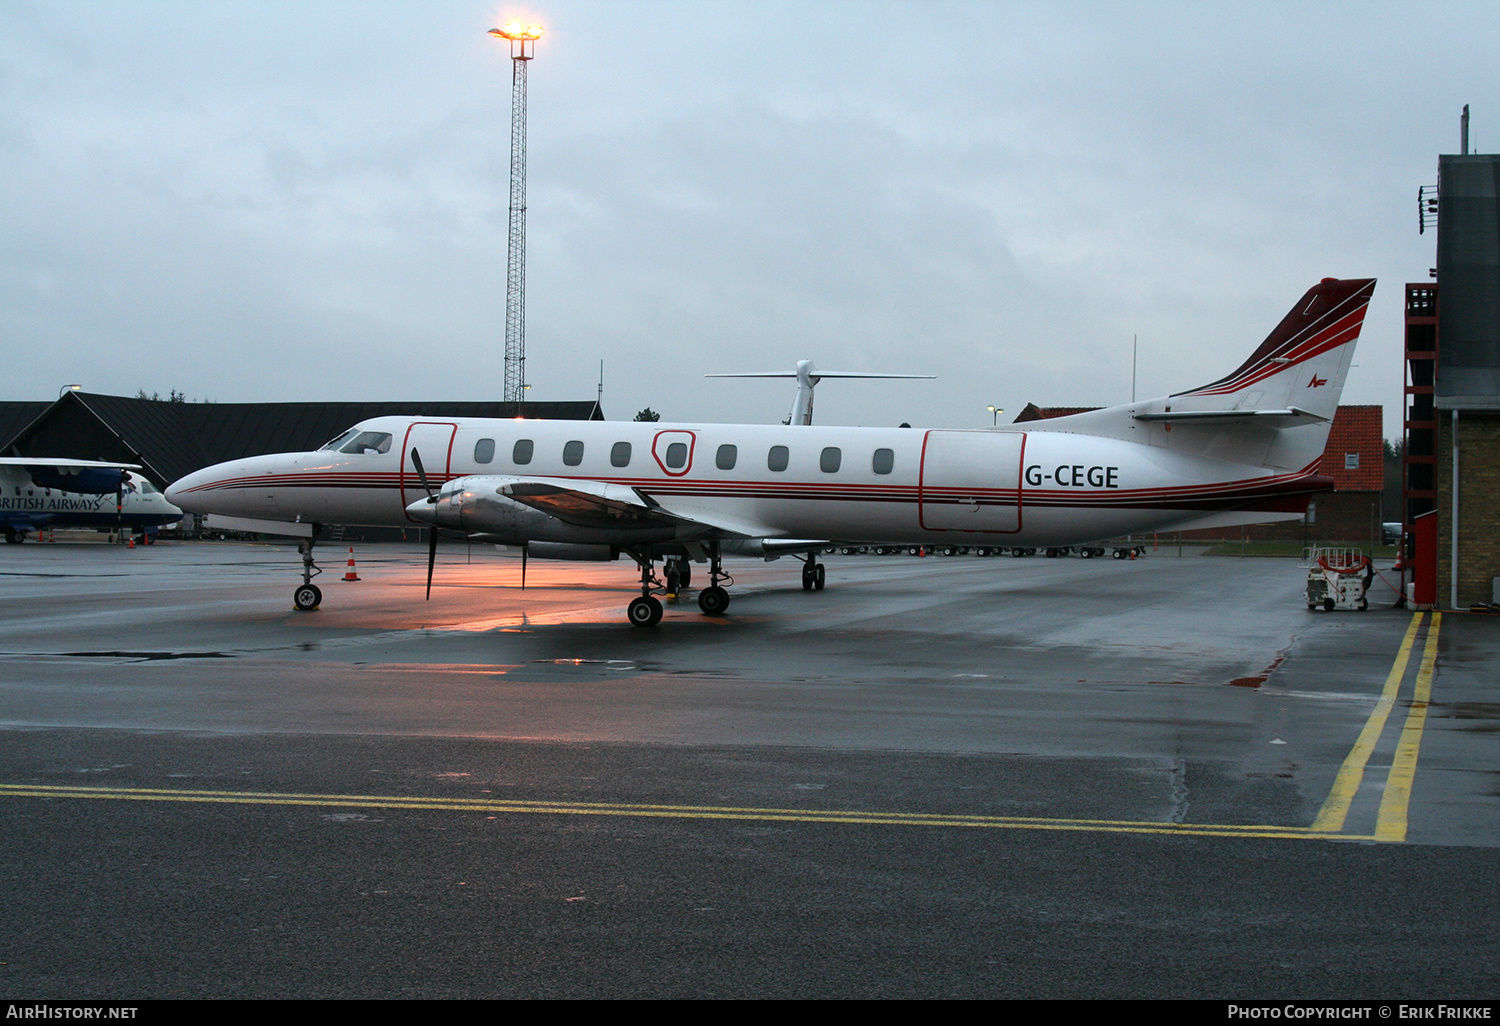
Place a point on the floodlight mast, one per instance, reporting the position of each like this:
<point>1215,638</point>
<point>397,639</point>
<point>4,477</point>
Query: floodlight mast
<point>522,48</point>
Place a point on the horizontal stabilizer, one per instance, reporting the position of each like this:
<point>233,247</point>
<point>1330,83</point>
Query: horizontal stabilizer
<point>1271,418</point>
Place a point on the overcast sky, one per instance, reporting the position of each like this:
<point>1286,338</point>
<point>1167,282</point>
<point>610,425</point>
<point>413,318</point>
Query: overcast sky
<point>303,201</point>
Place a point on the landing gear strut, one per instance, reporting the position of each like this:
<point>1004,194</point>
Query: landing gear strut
<point>713,600</point>
<point>646,610</point>
<point>308,595</point>
<point>812,573</point>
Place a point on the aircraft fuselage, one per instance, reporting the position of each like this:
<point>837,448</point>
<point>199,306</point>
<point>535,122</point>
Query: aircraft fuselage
<point>848,484</point>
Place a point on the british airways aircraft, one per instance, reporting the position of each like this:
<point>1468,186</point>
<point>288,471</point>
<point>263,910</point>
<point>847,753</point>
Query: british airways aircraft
<point>40,493</point>
<point>1242,449</point>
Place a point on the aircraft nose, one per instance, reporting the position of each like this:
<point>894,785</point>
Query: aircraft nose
<point>179,492</point>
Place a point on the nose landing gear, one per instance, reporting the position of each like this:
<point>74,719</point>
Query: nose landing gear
<point>308,595</point>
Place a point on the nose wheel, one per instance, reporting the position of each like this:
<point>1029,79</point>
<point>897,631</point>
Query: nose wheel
<point>812,574</point>
<point>307,597</point>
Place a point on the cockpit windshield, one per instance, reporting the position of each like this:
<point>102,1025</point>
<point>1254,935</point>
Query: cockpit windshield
<point>369,443</point>
<point>360,442</point>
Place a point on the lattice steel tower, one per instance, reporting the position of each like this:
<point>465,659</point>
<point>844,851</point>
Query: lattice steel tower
<point>522,49</point>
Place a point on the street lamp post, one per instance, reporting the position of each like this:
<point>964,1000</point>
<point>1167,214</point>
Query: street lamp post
<point>995,412</point>
<point>522,48</point>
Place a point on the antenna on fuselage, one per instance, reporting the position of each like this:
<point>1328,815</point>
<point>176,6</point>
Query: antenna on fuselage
<point>808,377</point>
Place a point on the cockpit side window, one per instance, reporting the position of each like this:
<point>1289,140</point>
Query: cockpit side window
<point>338,442</point>
<point>369,443</point>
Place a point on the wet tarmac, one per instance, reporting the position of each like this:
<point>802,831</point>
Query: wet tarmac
<point>939,777</point>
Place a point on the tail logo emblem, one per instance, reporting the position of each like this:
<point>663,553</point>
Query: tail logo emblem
<point>1317,382</point>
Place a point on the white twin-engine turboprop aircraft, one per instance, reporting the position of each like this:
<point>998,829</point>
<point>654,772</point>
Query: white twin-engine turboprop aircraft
<point>1243,449</point>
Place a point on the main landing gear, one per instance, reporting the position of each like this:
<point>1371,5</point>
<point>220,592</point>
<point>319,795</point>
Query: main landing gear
<point>812,573</point>
<point>646,610</point>
<point>714,600</point>
<point>308,595</point>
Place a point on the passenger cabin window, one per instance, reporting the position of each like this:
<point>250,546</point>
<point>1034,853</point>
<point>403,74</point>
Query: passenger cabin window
<point>521,454</point>
<point>677,455</point>
<point>619,454</point>
<point>884,460</point>
<point>830,459</point>
<point>573,453</point>
<point>776,458</point>
<point>726,456</point>
<point>369,443</point>
<point>484,450</point>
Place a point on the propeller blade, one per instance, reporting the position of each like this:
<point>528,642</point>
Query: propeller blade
<point>524,550</point>
<point>416,461</point>
<point>431,555</point>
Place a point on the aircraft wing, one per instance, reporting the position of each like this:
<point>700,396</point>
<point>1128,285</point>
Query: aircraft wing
<point>32,461</point>
<point>88,477</point>
<point>600,504</point>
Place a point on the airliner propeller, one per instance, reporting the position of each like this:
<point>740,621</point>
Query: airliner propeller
<point>432,532</point>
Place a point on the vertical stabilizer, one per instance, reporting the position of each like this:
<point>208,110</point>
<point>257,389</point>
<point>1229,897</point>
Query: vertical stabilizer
<point>1302,364</point>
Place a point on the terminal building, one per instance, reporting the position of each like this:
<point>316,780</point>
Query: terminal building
<point>1452,393</point>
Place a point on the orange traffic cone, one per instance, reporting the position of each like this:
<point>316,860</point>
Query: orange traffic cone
<point>350,575</point>
<point>132,542</point>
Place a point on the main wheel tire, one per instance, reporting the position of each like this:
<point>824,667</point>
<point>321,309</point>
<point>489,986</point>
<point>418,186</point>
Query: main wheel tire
<point>14,537</point>
<point>818,576</point>
<point>713,601</point>
<point>644,611</point>
<point>307,597</point>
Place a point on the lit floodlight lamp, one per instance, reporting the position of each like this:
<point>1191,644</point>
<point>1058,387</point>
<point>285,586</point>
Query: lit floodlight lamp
<point>519,36</point>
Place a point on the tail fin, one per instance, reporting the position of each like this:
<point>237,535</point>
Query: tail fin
<point>1301,365</point>
<point>1274,410</point>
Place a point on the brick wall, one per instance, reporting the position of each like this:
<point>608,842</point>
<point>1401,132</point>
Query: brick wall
<point>1478,506</point>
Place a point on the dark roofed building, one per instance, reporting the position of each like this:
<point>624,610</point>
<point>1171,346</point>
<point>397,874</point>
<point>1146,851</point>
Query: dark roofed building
<point>171,439</point>
<point>1035,412</point>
